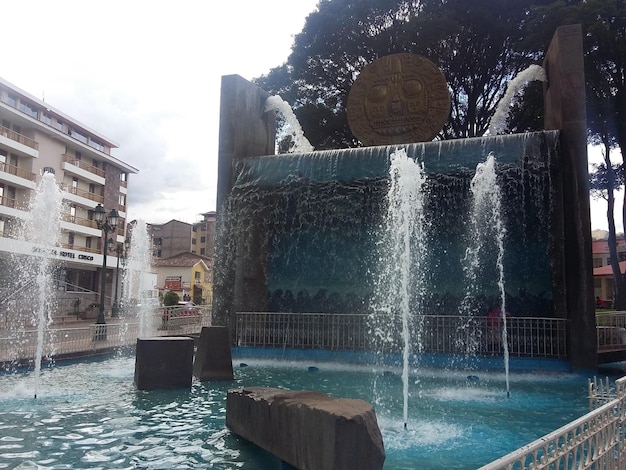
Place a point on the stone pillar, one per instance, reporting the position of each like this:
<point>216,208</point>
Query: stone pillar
<point>246,130</point>
<point>213,358</point>
<point>162,363</point>
<point>565,110</point>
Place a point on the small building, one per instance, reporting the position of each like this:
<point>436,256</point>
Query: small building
<point>186,273</point>
<point>604,285</point>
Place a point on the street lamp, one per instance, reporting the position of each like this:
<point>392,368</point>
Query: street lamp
<point>106,224</point>
<point>121,251</point>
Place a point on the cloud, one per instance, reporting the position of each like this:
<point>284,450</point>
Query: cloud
<point>147,74</point>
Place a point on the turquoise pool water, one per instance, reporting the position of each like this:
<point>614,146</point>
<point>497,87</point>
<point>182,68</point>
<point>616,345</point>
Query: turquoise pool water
<point>89,415</point>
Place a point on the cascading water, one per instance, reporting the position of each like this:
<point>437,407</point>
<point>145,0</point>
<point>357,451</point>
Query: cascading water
<point>497,124</point>
<point>41,231</point>
<point>487,233</point>
<point>300,143</point>
<point>400,286</point>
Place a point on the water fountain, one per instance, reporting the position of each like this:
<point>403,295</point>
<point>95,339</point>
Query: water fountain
<point>301,231</point>
<point>39,234</point>
<point>139,278</point>
<point>281,214</point>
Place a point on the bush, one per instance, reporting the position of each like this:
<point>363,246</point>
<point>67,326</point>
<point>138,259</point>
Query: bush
<point>170,298</point>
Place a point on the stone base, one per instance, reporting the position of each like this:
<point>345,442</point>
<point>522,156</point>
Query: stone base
<point>163,363</point>
<point>213,359</point>
<point>307,429</point>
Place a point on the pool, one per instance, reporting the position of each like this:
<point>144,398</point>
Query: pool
<point>89,415</point>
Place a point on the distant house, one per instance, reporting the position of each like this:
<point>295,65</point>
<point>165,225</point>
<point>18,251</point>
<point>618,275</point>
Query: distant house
<point>604,287</point>
<point>187,274</point>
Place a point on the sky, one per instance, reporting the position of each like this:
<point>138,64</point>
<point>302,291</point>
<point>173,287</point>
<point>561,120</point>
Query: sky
<point>146,74</point>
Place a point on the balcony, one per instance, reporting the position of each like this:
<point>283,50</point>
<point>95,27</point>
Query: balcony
<point>82,193</point>
<point>22,139</point>
<point>71,246</point>
<point>78,220</point>
<point>15,171</point>
<point>83,166</point>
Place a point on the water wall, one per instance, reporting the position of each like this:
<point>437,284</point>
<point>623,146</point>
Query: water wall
<point>312,223</point>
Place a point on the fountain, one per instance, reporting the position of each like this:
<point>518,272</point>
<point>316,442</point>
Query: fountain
<point>302,233</point>
<point>307,229</point>
<point>40,231</point>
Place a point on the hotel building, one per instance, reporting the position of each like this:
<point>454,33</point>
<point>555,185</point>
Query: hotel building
<point>36,138</point>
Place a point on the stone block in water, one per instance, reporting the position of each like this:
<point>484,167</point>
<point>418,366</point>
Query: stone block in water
<point>162,363</point>
<point>213,357</point>
<point>307,429</point>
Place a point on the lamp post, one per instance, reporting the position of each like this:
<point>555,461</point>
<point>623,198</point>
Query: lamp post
<point>121,252</point>
<point>106,224</point>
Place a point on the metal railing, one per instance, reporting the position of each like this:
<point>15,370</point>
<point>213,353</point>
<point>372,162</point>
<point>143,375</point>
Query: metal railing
<point>445,334</point>
<point>82,193</point>
<point>16,171</point>
<point>22,139</point>
<point>594,441</point>
<point>85,166</point>
<point>20,346</point>
<point>611,331</point>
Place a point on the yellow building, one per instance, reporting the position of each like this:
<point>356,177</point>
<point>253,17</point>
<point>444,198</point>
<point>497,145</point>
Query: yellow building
<point>187,274</point>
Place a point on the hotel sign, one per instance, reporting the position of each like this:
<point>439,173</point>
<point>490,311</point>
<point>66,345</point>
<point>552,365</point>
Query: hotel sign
<point>66,254</point>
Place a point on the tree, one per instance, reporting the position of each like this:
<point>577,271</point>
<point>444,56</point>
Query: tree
<point>604,26</point>
<point>170,298</point>
<point>472,41</point>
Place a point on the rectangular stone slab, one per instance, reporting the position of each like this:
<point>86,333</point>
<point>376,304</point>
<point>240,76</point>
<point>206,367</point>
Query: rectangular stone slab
<point>307,429</point>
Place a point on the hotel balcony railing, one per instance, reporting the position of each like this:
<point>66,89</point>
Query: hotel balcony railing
<point>440,334</point>
<point>8,202</point>
<point>79,220</point>
<point>15,171</point>
<point>82,165</point>
<point>82,193</point>
<point>71,246</point>
<point>22,139</point>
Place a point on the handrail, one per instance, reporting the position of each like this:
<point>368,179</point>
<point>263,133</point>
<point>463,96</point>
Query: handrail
<point>85,166</point>
<point>22,139</point>
<point>16,171</point>
<point>596,440</point>
<point>439,334</point>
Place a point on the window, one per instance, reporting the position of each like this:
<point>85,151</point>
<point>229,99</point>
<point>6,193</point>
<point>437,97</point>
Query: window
<point>28,109</point>
<point>74,182</point>
<point>122,199</point>
<point>77,135</point>
<point>97,145</point>
<point>92,188</point>
<point>12,100</point>
<point>622,255</point>
<point>197,276</point>
<point>203,239</point>
<point>78,155</point>
<point>597,262</point>
<point>46,118</point>
<point>88,242</point>
<point>123,177</point>
<point>59,125</point>
<point>158,241</point>
<point>202,251</point>
<point>2,227</point>
<point>70,238</point>
<point>13,160</point>
<point>193,241</point>
<point>73,212</point>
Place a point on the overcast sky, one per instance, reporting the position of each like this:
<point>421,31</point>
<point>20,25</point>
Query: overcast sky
<point>146,74</point>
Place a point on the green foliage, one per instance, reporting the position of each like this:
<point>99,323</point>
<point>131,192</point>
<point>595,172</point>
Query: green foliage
<point>472,41</point>
<point>170,298</point>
